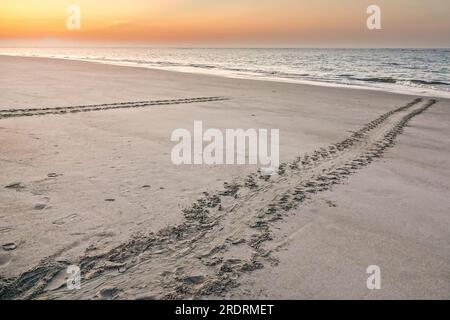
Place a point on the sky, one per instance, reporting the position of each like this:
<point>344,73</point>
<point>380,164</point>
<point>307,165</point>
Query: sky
<point>277,23</point>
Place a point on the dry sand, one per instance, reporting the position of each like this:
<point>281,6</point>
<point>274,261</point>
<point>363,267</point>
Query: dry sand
<point>94,186</point>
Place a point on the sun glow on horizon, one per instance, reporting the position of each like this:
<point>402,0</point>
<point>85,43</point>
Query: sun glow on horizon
<point>227,21</point>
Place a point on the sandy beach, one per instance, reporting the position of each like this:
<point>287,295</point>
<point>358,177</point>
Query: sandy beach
<point>86,179</point>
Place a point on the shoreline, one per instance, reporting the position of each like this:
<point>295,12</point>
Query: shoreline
<point>432,93</point>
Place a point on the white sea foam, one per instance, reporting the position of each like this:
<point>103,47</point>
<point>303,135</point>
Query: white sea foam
<point>410,71</point>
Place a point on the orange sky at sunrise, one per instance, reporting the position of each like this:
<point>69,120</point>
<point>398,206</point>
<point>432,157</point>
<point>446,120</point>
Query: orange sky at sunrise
<point>276,22</point>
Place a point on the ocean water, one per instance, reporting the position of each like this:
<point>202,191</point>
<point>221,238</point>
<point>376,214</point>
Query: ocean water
<point>415,71</point>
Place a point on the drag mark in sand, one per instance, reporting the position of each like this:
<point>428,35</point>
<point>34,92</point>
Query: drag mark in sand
<point>28,112</point>
<point>223,236</point>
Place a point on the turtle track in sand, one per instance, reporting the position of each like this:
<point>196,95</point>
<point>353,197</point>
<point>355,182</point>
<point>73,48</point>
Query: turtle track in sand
<point>28,112</point>
<point>223,235</point>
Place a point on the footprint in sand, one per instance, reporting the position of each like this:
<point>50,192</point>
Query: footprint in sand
<point>18,186</point>
<point>64,220</point>
<point>9,246</point>
<point>53,175</point>
<point>42,204</point>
